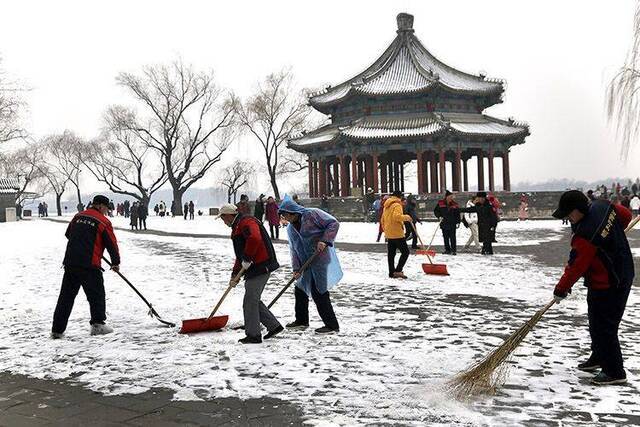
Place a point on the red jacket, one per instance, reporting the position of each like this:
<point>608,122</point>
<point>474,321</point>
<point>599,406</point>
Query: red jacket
<point>89,234</point>
<point>251,243</point>
<point>585,262</point>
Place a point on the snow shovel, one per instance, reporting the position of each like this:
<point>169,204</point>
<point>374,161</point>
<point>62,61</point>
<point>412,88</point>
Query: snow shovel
<point>212,322</point>
<point>431,268</point>
<point>430,252</point>
<point>293,279</point>
<point>152,312</point>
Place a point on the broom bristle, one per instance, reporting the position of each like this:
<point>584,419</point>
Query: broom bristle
<point>486,375</point>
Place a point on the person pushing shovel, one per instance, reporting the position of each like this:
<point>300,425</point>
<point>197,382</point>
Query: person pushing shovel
<point>255,254</point>
<point>88,234</point>
<point>600,253</point>
<point>312,230</point>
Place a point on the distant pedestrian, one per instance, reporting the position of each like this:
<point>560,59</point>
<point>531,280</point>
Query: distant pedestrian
<point>127,208</point>
<point>296,200</point>
<point>133,216</point>
<point>448,211</point>
<point>243,204</point>
<point>523,211</point>
<point>185,210</point>
<point>143,213</point>
<point>192,208</point>
<point>487,221</point>
<point>156,209</point>
<point>380,213</point>
<point>173,208</point>
<point>471,221</point>
<point>634,204</point>
<point>258,209</point>
<point>111,208</point>
<point>411,209</point>
<point>392,222</point>
<point>89,233</point>
<point>273,218</point>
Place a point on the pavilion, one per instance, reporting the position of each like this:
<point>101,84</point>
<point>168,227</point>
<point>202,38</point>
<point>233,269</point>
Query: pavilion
<point>407,106</point>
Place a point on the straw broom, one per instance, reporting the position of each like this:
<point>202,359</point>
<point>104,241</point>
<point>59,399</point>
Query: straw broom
<point>486,375</point>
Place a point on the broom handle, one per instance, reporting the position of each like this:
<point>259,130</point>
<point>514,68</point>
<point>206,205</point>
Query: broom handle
<point>632,224</point>
<point>232,284</point>
<point>293,279</point>
<point>434,234</point>
<point>420,239</point>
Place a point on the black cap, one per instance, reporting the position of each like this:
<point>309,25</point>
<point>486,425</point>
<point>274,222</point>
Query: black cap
<point>569,201</point>
<point>481,194</point>
<point>398,193</point>
<point>100,200</point>
<point>447,193</point>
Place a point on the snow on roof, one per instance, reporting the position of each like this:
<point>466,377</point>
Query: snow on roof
<point>9,185</point>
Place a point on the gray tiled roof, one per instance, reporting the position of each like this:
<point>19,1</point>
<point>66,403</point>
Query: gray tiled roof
<point>406,67</point>
<point>411,125</point>
<point>9,185</point>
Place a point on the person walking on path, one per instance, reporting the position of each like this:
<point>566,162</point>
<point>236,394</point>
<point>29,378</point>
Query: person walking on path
<point>88,234</point>
<point>411,208</point>
<point>192,209</point>
<point>634,203</point>
<point>254,252</point>
<point>185,210</point>
<point>471,219</point>
<point>143,213</point>
<point>258,209</point>
<point>273,218</point>
<point>523,211</point>
<point>449,212</point>
<point>487,221</point>
<point>133,216</point>
<point>312,230</point>
<point>392,222</point>
<point>601,254</point>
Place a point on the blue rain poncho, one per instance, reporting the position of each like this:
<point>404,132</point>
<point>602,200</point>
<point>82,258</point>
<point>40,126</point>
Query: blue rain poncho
<point>315,225</point>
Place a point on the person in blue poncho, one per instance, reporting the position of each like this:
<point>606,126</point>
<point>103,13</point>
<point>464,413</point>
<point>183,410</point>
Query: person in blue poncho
<point>312,230</point>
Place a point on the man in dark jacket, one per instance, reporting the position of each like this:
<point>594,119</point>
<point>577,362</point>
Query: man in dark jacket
<point>258,209</point>
<point>411,209</point>
<point>448,211</point>
<point>88,234</point>
<point>192,209</point>
<point>254,253</point>
<point>600,253</point>
<point>487,222</point>
<point>143,213</point>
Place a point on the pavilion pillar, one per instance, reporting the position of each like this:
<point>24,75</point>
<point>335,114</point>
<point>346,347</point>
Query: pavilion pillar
<point>354,170</point>
<point>506,174</point>
<point>443,171</point>
<point>456,171</point>
<point>491,176</point>
<point>322,177</point>
<point>465,176</point>
<point>310,167</point>
<point>374,170</point>
<point>336,178</point>
<point>361,177</point>
<point>402,177</point>
<point>384,186</point>
<point>368,172</point>
<point>480,171</point>
<point>434,171</point>
<point>421,176</point>
<point>344,177</point>
<point>396,176</point>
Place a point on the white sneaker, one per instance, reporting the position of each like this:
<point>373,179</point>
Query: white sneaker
<point>100,329</point>
<point>56,335</point>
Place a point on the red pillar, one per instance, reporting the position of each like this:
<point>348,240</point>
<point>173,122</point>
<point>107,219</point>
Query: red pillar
<point>322,178</point>
<point>310,166</point>
<point>336,178</point>
<point>456,171</point>
<point>480,171</point>
<point>344,177</point>
<point>465,176</point>
<point>384,186</point>
<point>434,171</point>
<point>506,175</point>
<point>368,172</point>
<point>443,171</point>
<point>421,177</point>
<point>491,177</point>
<point>354,170</point>
<point>374,170</point>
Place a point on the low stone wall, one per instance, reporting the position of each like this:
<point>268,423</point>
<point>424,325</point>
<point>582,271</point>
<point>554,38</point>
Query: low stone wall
<point>541,205</point>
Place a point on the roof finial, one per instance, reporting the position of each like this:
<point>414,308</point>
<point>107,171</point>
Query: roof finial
<point>405,22</point>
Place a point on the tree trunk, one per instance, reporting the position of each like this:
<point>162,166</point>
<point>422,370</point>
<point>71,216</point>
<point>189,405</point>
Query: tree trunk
<point>229,197</point>
<point>58,204</point>
<point>274,185</point>
<point>177,198</point>
<point>78,193</point>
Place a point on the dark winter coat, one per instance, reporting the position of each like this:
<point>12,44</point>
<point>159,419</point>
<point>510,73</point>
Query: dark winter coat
<point>252,243</point>
<point>411,209</point>
<point>450,214</point>
<point>487,221</point>
<point>258,211</point>
<point>143,212</point>
<point>89,234</point>
<point>272,214</point>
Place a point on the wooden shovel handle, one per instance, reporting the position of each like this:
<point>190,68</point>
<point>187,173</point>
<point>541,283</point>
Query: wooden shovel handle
<point>434,234</point>
<point>421,244</point>
<point>632,224</point>
<point>232,284</point>
<point>293,279</point>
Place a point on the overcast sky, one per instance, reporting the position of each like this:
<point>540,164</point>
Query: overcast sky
<point>557,57</point>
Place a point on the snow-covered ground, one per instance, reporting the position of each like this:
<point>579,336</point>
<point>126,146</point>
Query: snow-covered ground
<point>509,233</point>
<point>399,340</point>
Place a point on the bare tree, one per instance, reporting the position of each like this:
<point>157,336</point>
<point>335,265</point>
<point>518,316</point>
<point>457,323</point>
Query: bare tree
<point>234,177</point>
<point>123,159</point>
<point>623,94</point>
<point>26,165</point>
<point>11,106</point>
<point>63,153</point>
<point>187,119</point>
<point>274,113</point>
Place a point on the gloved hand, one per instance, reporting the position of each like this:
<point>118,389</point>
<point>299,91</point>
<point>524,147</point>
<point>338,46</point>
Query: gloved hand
<point>246,264</point>
<point>559,295</point>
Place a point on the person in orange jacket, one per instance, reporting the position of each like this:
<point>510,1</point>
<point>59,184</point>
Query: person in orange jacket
<point>392,222</point>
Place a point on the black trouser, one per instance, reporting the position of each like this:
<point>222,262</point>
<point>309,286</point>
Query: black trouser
<point>323,304</point>
<point>606,308</point>
<point>143,223</point>
<point>487,247</point>
<point>93,285</point>
<point>394,245</point>
<point>449,235</point>
<point>185,215</point>
<point>191,216</point>
<point>271,227</point>
<point>410,232</point>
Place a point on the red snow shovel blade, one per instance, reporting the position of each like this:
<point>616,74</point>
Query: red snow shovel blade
<point>435,269</point>
<point>428,252</point>
<point>204,324</point>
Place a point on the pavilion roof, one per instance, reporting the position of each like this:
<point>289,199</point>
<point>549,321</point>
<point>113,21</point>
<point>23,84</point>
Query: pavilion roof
<point>9,185</point>
<point>406,67</point>
<point>408,125</point>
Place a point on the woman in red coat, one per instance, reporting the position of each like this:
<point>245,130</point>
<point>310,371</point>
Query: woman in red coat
<point>273,217</point>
